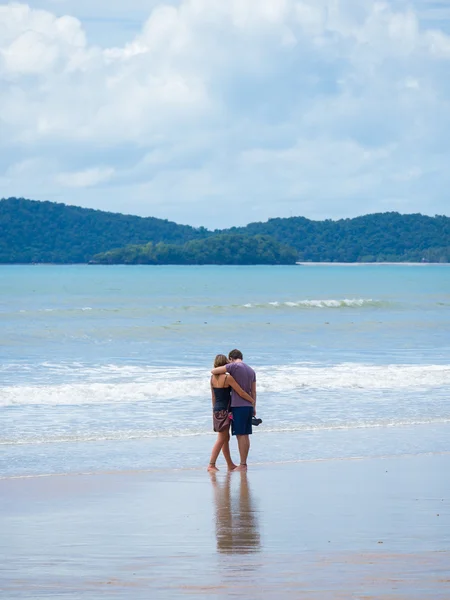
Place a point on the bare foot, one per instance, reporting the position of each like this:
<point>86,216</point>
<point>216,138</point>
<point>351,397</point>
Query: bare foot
<point>232,467</point>
<point>241,468</point>
<point>212,468</point>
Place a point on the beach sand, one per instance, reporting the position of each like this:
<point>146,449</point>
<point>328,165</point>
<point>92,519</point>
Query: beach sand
<point>359,529</point>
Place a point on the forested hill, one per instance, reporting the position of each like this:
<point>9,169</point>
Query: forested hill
<point>33,231</point>
<point>218,249</point>
<point>377,237</point>
<point>47,232</point>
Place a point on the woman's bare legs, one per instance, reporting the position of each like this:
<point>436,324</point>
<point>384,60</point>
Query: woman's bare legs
<point>222,443</point>
<point>226,451</point>
<point>221,438</point>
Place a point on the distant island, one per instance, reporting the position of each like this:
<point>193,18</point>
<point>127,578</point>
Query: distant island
<point>220,249</point>
<point>48,232</point>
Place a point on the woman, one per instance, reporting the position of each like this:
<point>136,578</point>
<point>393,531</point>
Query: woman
<point>221,386</point>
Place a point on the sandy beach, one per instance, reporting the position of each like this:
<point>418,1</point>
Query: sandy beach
<point>371,528</point>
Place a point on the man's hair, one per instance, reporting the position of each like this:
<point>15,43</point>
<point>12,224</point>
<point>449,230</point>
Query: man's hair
<point>234,354</point>
<point>220,361</point>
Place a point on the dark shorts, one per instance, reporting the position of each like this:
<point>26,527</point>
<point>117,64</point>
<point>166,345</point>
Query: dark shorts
<point>242,420</point>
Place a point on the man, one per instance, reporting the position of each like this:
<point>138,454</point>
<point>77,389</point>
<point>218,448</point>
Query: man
<point>242,410</point>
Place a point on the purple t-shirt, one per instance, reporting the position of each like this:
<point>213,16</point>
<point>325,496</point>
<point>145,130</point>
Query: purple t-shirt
<point>245,376</point>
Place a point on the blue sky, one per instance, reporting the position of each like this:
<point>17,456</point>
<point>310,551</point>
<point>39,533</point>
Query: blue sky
<point>223,112</point>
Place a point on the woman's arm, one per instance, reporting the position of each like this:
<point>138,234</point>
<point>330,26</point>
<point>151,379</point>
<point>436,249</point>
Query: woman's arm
<point>237,388</point>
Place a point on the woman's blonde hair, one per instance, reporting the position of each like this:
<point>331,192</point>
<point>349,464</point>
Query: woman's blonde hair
<point>220,361</point>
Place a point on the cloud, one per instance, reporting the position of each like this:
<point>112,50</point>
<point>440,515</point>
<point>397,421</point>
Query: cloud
<point>221,112</point>
<point>86,178</point>
<point>34,41</point>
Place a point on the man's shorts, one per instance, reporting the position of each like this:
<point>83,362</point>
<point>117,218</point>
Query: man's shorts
<point>241,423</point>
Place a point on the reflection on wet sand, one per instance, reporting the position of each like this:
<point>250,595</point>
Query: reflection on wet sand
<point>237,527</point>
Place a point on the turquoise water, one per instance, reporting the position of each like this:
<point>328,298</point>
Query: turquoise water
<point>106,368</point>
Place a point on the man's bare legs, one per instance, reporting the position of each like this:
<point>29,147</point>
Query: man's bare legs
<point>244,447</point>
<point>222,443</point>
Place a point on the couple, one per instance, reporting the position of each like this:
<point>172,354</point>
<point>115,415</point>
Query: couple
<point>233,384</point>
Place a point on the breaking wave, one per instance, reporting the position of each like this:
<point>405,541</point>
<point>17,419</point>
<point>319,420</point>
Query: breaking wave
<point>139,310</point>
<point>173,432</point>
<point>116,384</point>
<point>344,303</point>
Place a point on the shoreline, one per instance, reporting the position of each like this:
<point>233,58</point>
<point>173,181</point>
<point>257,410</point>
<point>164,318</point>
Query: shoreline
<point>222,469</point>
<point>367,264</point>
<point>298,263</point>
<point>331,446</point>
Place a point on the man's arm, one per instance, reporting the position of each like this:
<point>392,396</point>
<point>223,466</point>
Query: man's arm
<point>213,397</point>
<point>254,397</point>
<point>237,388</point>
<point>219,370</point>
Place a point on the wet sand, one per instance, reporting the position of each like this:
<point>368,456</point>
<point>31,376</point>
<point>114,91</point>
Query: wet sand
<point>360,529</point>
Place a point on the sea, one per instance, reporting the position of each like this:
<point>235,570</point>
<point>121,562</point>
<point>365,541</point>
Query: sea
<point>106,368</point>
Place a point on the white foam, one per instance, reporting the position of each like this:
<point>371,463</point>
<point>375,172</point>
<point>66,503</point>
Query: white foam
<point>354,376</point>
<point>52,437</point>
<point>326,303</point>
<point>278,304</point>
<point>115,384</point>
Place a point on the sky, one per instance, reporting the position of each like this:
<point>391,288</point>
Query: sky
<point>225,112</point>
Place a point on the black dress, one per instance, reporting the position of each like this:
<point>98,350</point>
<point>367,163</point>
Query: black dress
<point>222,398</point>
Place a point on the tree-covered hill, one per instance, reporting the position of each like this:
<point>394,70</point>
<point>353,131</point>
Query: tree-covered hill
<point>47,232</point>
<point>33,231</point>
<point>377,237</point>
<point>220,249</point>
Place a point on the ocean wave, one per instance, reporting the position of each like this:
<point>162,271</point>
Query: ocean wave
<point>330,303</point>
<point>117,384</point>
<point>140,310</point>
<point>130,435</point>
<point>57,310</point>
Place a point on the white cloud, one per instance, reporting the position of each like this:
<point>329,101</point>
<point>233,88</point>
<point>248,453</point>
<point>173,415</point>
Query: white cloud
<point>86,178</point>
<point>264,106</point>
<point>33,41</point>
<point>439,44</point>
